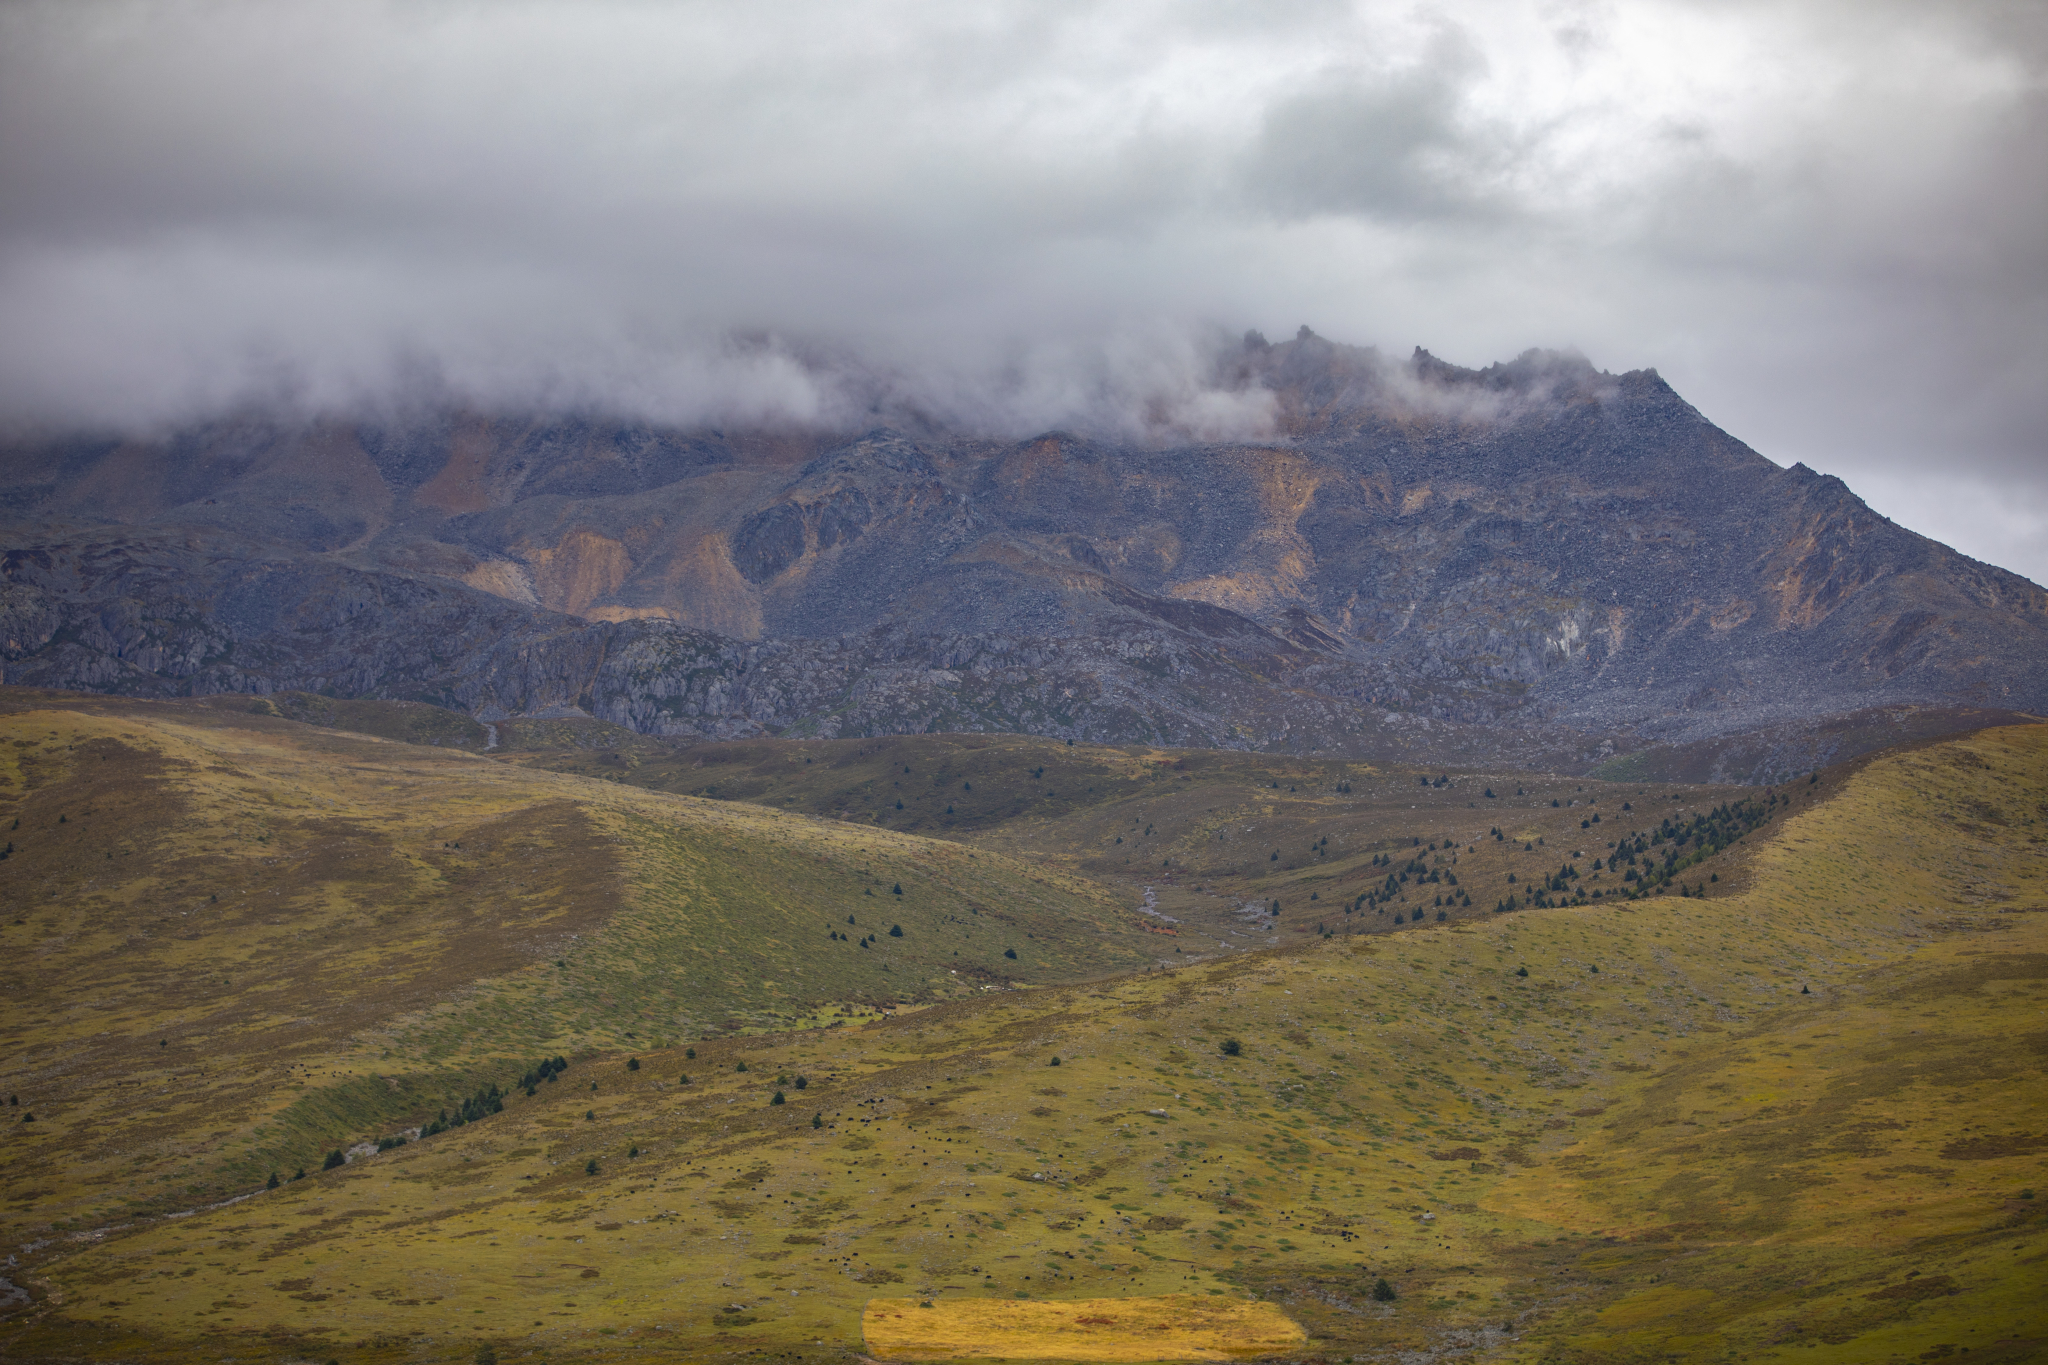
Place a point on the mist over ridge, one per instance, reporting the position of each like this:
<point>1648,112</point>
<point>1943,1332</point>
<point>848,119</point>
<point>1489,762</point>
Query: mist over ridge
<point>1554,561</point>
<point>1813,219</point>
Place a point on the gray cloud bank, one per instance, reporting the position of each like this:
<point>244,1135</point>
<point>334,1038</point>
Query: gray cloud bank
<point>1823,222</point>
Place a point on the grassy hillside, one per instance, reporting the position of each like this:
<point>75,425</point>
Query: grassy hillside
<point>1210,841</point>
<point>1204,843</point>
<point>1807,1113</point>
<point>237,943</point>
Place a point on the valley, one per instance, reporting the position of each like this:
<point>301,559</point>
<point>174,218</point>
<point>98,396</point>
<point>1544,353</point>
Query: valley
<point>1800,1108</point>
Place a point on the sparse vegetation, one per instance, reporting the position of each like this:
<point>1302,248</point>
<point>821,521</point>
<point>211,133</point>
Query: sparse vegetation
<point>1524,1066</point>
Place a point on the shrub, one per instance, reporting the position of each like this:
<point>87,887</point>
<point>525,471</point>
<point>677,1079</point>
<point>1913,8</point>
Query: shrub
<point>817,1120</point>
<point>1521,971</point>
<point>1010,953</point>
<point>274,1181</point>
<point>1232,1048</point>
<point>803,1082</point>
<point>1054,1062</point>
<point>1383,1292</point>
<point>632,1063</point>
<point>334,1158</point>
<point>691,1053</point>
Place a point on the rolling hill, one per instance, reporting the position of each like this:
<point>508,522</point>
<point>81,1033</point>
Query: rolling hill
<point>1801,1109</point>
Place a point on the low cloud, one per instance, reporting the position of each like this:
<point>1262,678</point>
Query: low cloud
<point>1820,221</point>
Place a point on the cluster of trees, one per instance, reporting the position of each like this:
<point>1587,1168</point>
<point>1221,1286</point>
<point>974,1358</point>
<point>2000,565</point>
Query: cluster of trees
<point>1416,870</point>
<point>1559,883</point>
<point>484,1103</point>
<point>546,1070</point>
<point>1686,843</point>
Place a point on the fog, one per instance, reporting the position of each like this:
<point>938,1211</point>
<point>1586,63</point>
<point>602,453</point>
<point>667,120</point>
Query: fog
<point>1823,223</point>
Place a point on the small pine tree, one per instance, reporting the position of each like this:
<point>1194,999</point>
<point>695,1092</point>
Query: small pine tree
<point>1232,1047</point>
<point>1010,953</point>
<point>590,1166</point>
<point>741,1067</point>
<point>299,1174</point>
<point>1054,1062</point>
<point>817,1120</point>
<point>274,1181</point>
<point>1521,971</point>
<point>683,1079</point>
<point>1382,1292</point>
<point>803,1082</point>
<point>334,1158</point>
<point>895,931</point>
<point>778,1099</point>
<point>632,1063</point>
<point>691,1053</point>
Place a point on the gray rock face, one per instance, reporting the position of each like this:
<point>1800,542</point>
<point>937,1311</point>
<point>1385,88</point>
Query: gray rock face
<point>1539,553</point>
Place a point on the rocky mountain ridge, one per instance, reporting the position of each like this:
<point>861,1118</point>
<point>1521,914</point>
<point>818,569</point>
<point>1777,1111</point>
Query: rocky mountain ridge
<point>1537,558</point>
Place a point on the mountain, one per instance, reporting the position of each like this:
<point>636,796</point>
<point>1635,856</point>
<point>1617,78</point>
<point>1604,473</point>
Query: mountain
<point>1537,561</point>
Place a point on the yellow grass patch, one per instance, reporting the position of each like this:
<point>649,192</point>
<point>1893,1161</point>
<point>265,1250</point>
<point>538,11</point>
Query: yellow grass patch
<point>1170,1327</point>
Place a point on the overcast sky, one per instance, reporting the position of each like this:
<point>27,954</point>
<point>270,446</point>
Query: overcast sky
<point>1823,223</point>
